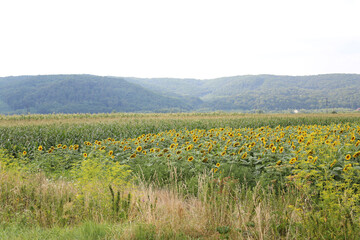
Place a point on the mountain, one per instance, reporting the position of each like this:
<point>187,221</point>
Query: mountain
<point>81,94</point>
<point>265,92</point>
<point>94,94</point>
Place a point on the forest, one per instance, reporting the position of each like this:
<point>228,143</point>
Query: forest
<point>97,94</point>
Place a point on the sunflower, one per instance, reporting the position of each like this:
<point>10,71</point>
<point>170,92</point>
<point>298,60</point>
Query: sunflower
<point>292,161</point>
<point>356,154</point>
<point>24,153</point>
<point>178,152</point>
<point>281,150</point>
<point>111,153</point>
<point>64,147</point>
<point>190,158</point>
<point>139,149</point>
<point>218,165</point>
<point>347,167</point>
<point>133,155</point>
<point>59,145</point>
<point>144,152</point>
<point>347,157</point>
<point>273,149</point>
<point>85,155</point>
<point>205,160</point>
<point>40,148</point>
<point>188,148</point>
<point>333,163</point>
<point>244,155</point>
<point>278,162</point>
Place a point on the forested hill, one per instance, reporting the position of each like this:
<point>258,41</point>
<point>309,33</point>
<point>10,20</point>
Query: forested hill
<point>80,94</point>
<point>265,92</point>
<point>93,94</point>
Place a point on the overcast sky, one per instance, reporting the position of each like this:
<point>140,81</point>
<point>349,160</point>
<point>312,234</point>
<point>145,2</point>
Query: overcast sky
<point>179,38</point>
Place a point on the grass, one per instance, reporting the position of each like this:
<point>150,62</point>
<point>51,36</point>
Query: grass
<point>64,195</point>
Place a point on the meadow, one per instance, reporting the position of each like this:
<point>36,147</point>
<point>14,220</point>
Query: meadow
<point>180,176</point>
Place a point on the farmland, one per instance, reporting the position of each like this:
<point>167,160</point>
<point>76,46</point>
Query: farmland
<point>180,176</point>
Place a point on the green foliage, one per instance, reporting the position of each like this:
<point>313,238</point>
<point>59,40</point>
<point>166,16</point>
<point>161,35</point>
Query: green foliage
<point>80,94</point>
<point>265,92</point>
<point>94,94</point>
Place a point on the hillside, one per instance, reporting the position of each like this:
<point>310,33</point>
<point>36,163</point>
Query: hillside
<point>94,94</point>
<point>80,94</point>
<point>265,92</point>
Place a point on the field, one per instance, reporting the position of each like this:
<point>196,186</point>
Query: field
<point>180,176</point>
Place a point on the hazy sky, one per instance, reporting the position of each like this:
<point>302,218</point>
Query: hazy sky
<point>179,38</point>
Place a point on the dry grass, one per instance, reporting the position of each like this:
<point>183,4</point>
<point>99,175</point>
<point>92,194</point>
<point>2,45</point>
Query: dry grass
<point>248,214</point>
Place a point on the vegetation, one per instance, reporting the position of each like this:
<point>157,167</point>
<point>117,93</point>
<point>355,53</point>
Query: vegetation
<point>264,92</point>
<point>80,94</point>
<point>180,176</point>
<point>94,94</point>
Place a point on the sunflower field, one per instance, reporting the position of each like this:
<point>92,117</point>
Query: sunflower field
<point>318,165</point>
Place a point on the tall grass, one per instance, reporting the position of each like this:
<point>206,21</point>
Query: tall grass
<point>221,209</point>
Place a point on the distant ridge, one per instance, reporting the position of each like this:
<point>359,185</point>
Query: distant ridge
<point>94,94</point>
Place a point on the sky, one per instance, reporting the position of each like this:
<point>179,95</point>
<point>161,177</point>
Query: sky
<point>179,38</point>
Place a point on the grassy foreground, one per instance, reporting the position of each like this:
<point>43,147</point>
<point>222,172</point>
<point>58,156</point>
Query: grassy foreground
<point>192,176</point>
